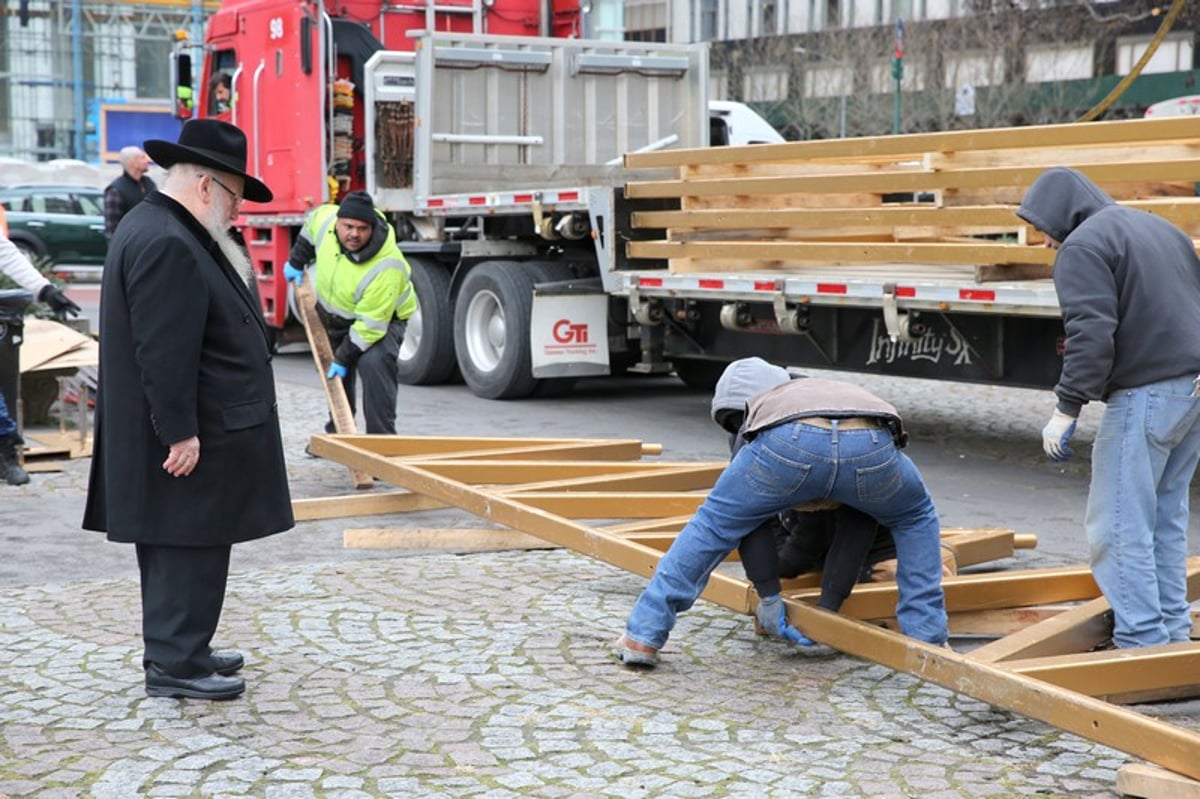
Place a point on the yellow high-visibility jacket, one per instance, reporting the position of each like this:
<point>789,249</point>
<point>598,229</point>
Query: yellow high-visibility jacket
<point>364,290</point>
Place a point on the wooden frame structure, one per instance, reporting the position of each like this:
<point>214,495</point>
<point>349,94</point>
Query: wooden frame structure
<point>830,203</point>
<point>599,498</point>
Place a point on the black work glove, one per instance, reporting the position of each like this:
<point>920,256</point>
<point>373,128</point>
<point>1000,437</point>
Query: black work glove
<point>59,303</point>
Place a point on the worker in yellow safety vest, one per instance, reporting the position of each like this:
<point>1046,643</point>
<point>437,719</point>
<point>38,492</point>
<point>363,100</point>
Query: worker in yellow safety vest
<point>364,297</point>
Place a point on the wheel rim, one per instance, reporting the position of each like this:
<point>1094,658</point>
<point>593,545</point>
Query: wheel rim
<point>412,337</point>
<point>485,331</point>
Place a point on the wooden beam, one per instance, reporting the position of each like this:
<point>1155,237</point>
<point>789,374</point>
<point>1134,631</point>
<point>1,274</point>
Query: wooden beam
<point>1151,782</point>
<point>912,180</point>
<point>799,253</point>
<point>1123,132</point>
<point>463,447</point>
<point>305,510</point>
<point>519,472</point>
<point>627,505</point>
<point>1116,672</point>
<point>322,354</point>
<point>1007,589</point>
<point>452,540</point>
<point>997,622</point>
<point>1076,629</point>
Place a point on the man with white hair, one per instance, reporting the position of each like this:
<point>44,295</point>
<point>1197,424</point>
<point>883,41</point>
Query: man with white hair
<point>127,190</point>
<point>188,458</point>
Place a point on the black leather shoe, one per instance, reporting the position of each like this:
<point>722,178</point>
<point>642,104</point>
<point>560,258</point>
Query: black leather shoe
<point>227,663</point>
<point>210,686</point>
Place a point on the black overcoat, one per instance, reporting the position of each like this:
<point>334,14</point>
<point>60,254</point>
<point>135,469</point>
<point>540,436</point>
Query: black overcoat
<point>183,352</point>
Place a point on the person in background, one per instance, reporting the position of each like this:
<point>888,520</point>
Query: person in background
<point>127,190</point>
<point>806,440</point>
<point>188,457</point>
<point>17,268</point>
<point>220,93</point>
<point>364,295</point>
<point>1128,283</point>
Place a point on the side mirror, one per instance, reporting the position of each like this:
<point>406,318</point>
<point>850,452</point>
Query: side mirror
<point>181,80</point>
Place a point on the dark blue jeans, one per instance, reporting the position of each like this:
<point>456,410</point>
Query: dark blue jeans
<point>788,465</point>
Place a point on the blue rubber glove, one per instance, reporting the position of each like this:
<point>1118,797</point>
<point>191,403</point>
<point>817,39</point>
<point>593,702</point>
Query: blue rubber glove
<point>1056,434</point>
<point>772,617</point>
<point>335,370</point>
<point>292,274</point>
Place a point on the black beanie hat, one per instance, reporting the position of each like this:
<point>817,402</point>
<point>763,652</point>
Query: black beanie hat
<point>358,205</point>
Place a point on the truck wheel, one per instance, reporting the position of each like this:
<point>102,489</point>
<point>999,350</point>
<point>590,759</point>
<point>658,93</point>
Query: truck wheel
<point>698,373</point>
<point>491,330</point>
<point>427,354</point>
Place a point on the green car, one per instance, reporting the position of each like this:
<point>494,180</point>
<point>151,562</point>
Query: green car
<point>61,224</point>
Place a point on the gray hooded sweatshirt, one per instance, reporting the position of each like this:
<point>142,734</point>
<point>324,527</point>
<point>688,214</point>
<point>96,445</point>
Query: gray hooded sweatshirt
<point>1128,284</point>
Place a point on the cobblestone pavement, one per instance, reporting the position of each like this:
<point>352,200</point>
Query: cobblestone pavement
<point>488,675</point>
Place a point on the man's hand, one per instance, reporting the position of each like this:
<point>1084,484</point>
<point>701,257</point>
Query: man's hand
<point>59,303</point>
<point>183,457</point>
<point>772,617</point>
<point>292,274</point>
<point>1056,434</point>
<point>335,370</point>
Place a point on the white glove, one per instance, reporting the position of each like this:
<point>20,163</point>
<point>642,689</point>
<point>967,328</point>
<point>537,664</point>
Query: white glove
<point>1056,434</point>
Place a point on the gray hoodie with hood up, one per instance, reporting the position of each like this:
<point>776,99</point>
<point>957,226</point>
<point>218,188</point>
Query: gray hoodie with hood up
<point>1128,284</point>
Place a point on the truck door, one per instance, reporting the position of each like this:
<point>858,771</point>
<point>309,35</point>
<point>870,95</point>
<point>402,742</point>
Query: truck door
<point>274,56</point>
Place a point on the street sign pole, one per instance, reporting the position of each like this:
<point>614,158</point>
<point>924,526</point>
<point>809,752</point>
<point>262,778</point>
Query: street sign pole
<point>897,73</point>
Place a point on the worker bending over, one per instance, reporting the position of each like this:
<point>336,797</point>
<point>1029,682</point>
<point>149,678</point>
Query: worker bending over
<point>364,298</point>
<point>806,439</point>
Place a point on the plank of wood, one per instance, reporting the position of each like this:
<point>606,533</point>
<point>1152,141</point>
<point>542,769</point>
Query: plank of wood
<point>916,180</point>
<point>448,540</point>
<point>825,254</point>
<point>995,273</point>
<point>43,467</point>
<point>1122,132</point>
<point>462,448</point>
<point>1151,782</point>
<point>362,505</point>
<point>1114,673</point>
<point>322,352</point>
<point>999,621</point>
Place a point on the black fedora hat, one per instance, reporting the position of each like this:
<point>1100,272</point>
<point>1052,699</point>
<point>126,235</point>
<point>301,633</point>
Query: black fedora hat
<point>211,143</point>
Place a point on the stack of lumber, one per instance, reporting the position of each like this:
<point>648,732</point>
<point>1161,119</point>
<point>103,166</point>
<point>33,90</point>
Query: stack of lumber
<point>931,198</point>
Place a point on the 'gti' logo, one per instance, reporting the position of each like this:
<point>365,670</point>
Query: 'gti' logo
<point>567,332</point>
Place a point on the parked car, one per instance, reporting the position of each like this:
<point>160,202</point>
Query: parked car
<point>61,224</point>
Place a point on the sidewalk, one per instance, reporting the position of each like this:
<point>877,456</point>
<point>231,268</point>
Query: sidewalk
<point>482,675</point>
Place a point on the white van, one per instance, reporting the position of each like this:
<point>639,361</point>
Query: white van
<point>738,123</point>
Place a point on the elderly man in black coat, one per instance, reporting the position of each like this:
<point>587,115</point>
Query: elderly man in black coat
<point>188,458</point>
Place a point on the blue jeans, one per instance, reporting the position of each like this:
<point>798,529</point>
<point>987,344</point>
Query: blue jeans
<point>1137,513</point>
<point>7,425</point>
<point>787,465</point>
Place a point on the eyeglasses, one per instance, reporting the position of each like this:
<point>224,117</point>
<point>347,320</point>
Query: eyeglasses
<point>237,198</point>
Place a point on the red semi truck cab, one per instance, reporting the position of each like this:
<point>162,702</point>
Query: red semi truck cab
<point>295,73</point>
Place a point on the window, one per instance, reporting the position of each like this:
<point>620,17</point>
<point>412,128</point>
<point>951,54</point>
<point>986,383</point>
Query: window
<point>1174,54</point>
<point>52,204</point>
<point>974,69</point>
<point>1054,62</point>
<point>90,204</point>
<point>708,20</point>
<point>765,83</point>
<point>152,58</point>
<point>828,80</point>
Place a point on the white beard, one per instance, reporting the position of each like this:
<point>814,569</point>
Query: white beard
<point>218,227</point>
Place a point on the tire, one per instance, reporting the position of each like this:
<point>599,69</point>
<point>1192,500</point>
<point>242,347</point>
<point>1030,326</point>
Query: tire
<point>427,353</point>
<point>33,250</point>
<point>491,330</point>
<point>698,373</point>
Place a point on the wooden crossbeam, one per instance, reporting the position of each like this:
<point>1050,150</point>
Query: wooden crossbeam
<point>453,539</point>
<point>914,180</point>
<point>362,505</point>
<point>1131,133</point>
<point>627,505</point>
<point>463,447</point>
<point>1076,629</point>
<point>798,253</point>
<point>1152,782</point>
<point>1168,671</point>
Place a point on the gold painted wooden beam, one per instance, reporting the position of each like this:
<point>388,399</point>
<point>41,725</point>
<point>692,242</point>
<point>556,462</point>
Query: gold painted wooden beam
<point>1152,782</point>
<point>452,539</point>
<point>627,505</point>
<point>1076,629</point>
<point>1007,589</point>
<point>514,472</point>
<point>1119,672</point>
<point>361,505</point>
<point>691,477</point>
<point>1124,132</point>
<point>799,253</point>
<point>461,447</point>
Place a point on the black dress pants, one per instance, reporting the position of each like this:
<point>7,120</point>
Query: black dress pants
<point>380,378</point>
<point>183,591</point>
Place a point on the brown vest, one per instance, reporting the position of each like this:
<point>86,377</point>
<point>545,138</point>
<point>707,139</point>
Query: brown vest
<point>812,396</point>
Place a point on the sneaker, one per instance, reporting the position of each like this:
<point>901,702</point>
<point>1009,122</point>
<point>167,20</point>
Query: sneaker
<point>631,653</point>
